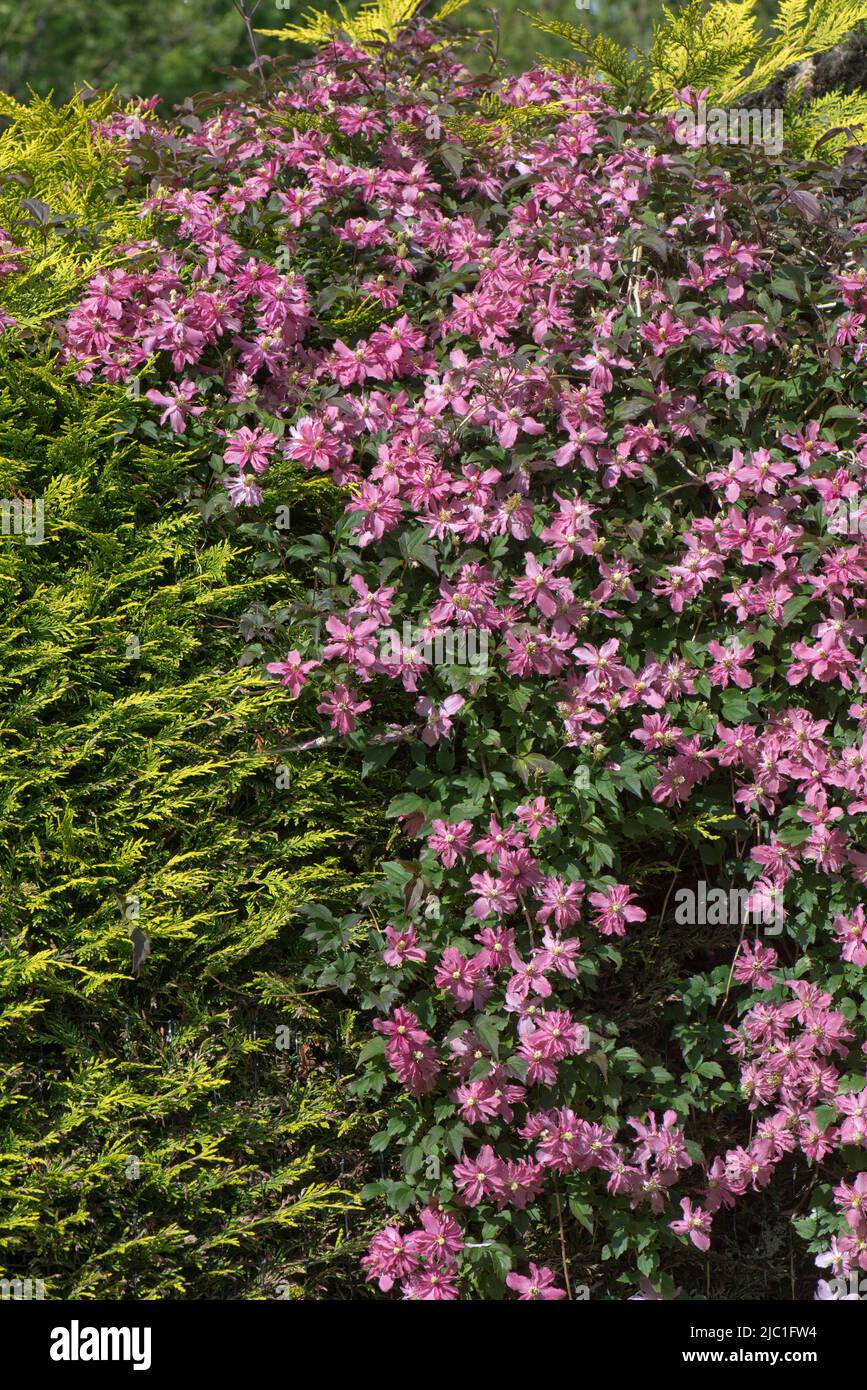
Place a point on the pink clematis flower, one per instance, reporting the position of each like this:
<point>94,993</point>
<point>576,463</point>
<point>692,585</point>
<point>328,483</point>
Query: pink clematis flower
<point>694,1223</point>
<point>538,1284</point>
<point>248,448</point>
<point>438,717</point>
<point>176,400</point>
<point>293,671</point>
<point>402,946</point>
<point>615,908</point>
<point>342,705</point>
<point>852,934</point>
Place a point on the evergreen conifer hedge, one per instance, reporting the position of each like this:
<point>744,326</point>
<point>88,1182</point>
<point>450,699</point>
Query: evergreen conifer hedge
<point>169,1132</point>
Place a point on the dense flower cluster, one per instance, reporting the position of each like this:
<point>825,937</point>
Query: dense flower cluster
<point>593,405</point>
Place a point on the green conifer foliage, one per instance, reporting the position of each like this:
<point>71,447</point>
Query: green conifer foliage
<point>164,1134</point>
<point>171,1131</point>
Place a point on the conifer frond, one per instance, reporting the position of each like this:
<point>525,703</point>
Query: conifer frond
<point>841,112</point>
<point>602,54</point>
<point>55,155</point>
<point>139,786</point>
<point>704,46</point>
<point>802,32</point>
<point>449,8</point>
<point>498,122</point>
<point>716,45</point>
<point>374,22</point>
